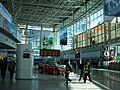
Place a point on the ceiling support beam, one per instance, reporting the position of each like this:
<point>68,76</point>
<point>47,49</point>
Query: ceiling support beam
<point>46,8</point>
<point>36,22</point>
<point>32,15</point>
<point>46,5</point>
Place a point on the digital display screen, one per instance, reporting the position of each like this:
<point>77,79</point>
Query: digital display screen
<point>26,55</point>
<point>45,52</point>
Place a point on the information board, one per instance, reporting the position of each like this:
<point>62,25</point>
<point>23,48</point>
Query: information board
<point>47,52</point>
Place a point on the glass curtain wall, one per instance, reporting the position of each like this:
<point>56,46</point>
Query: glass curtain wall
<point>81,25</point>
<point>84,35</point>
<point>32,36</point>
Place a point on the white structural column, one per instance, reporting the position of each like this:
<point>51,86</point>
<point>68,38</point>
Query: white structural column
<point>24,61</point>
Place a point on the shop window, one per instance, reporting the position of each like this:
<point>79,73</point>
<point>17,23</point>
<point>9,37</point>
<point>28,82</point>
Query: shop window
<point>117,25</point>
<point>100,39</point>
<point>118,32</point>
<point>92,32</point>
<point>96,40</point>
<point>102,28</point>
<point>112,26</point>
<point>92,40</point>
<point>81,44</point>
<point>75,45</point>
<point>112,34</point>
<point>84,43</point>
<point>99,30</point>
<point>96,31</point>
<point>88,41</point>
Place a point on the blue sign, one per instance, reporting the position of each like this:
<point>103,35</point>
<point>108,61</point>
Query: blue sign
<point>63,36</point>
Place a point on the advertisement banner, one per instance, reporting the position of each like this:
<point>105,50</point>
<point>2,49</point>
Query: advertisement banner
<point>1,21</point>
<point>47,42</point>
<point>111,7</point>
<point>9,27</point>
<point>5,13</point>
<point>63,36</point>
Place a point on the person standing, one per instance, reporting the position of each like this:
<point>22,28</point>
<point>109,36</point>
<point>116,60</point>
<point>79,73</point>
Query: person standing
<point>67,71</point>
<point>87,72</point>
<point>3,67</point>
<point>11,68</point>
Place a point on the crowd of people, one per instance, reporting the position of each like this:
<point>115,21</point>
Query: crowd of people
<point>84,71</point>
<point>5,65</point>
<point>84,68</point>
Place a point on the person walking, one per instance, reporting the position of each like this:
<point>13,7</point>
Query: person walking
<point>81,70</point>
<point>11,68</point>
<point>67,71</point>
<point>87,72</point>
<point>3,66</point>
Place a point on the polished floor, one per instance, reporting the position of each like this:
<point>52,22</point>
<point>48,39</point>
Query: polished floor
<point>102,80</point>
<point>108,78</point>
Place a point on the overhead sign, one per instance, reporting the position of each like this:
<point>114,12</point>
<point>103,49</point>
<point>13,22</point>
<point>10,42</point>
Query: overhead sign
<point>47,52</point>
<point>90,55</point>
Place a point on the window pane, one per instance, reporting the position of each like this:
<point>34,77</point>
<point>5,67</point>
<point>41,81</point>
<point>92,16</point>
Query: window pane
<point>99,13</point>
<point>99,30</point>
<point>112,34</point>
<point>118,32</point>
<point>100,40</point>
<point>95,15</point>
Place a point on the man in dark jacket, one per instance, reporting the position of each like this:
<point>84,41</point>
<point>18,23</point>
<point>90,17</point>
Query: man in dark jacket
<point>67,71</point>
<point>81,70</point>
<point>3,67</point>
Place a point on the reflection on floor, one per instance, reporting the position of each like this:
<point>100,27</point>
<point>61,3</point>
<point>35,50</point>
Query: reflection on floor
<point>108,78</point>
<point>48,82</point>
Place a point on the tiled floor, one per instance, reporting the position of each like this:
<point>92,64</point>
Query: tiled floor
<point>52,82</point>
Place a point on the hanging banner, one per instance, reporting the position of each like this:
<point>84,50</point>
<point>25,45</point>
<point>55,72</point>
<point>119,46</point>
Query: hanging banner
<point>63,36</point>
